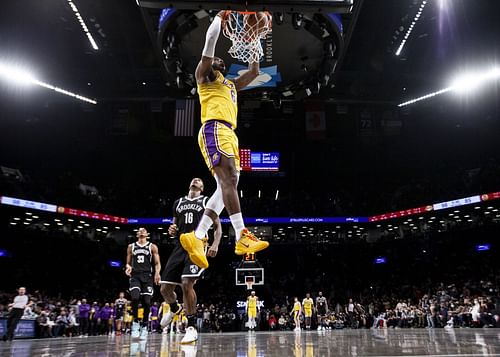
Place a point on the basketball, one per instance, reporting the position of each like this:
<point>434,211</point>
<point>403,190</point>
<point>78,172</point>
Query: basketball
<point>258,23</point>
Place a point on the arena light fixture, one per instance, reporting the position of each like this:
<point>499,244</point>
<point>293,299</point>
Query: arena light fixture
<point>83,25</point>
<point>411,27</point>
<point>463,83</point>
<point>23,77</point>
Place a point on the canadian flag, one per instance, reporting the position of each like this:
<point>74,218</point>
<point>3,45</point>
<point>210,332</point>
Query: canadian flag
<point>315,121</point>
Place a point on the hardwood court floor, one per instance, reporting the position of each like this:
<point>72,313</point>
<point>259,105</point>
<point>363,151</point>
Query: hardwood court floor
<point>404,342</point>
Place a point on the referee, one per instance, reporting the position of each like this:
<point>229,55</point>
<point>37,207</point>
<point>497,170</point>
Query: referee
<point>16,312</point>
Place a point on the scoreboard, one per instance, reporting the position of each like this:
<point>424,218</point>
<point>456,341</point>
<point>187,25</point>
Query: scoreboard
<point>259,161</point>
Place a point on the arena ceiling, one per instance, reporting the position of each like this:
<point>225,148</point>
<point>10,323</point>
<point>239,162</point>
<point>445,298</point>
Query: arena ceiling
<point>451,36</point>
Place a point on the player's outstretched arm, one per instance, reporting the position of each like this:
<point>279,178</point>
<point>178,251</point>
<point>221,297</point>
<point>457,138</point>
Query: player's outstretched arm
<point>247,77</point>
<point>204,72</point>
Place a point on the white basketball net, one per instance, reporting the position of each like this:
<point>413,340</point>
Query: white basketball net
<point>249,285</point>
<point>245,36</point>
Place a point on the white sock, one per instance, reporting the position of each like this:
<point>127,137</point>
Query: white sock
<point>203,227</point>
<point>238,224</point>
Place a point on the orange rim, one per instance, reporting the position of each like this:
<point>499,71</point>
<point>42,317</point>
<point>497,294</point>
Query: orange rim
<point>249,12</point>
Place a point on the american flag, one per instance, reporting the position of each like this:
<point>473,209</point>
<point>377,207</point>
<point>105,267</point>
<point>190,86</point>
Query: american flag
<point>184,117</point>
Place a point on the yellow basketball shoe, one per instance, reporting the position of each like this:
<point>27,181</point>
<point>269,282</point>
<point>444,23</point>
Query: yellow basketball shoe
<point>195,248</point>
<point>249,243</point>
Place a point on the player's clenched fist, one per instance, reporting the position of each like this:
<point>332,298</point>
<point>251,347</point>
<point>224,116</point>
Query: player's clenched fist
<point>172,230</point>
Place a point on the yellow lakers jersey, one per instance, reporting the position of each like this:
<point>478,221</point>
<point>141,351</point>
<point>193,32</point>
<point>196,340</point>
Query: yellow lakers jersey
<point>296,306</point>
<point>165,307</point>
<point>308,303</point>
<point>252,302</point>
<point>218,100</point>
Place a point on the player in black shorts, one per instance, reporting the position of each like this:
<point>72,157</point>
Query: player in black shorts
<point>180,270</point>
<point>140,258</point>
<point>120,305</point>
<point>321,310</point>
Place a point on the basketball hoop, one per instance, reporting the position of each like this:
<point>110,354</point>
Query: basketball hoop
<point>246,29</point>
<point>249,281</point>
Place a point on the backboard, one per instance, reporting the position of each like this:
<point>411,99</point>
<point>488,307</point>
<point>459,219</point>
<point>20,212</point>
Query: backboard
<point>244,275</point>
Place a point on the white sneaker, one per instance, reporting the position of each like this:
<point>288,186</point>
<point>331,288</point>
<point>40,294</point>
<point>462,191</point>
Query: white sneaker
<point>144,333</point>
<point>134,348</point>
<point>320,328</point>
<point>189,350</point>
<point>190,336</point>
<point>297,329</point>
<point>135,330</point>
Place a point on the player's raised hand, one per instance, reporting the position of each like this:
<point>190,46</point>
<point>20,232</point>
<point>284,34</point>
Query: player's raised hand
<point>212,250</point>
<point>172,230</point>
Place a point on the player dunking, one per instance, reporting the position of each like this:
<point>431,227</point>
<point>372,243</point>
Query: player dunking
<point>180,270</point>
<point>140,257</point>
<point>219,147</point>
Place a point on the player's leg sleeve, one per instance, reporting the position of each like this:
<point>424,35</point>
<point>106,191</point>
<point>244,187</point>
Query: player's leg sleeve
<point>146,299</point>
<point>216,203</point>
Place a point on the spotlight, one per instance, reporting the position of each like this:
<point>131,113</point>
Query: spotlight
<point>16,75</point>
<point>83,25</point>
<point>463,83</point>
<point>471,81</point>
<point>410,29</point>
<point>23,77</point>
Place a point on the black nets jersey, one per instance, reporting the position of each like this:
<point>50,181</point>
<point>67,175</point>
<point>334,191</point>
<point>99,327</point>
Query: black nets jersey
<point>321,304</point>
<point>120,306</point>
<point>188,213</point>
<point>142,258</point>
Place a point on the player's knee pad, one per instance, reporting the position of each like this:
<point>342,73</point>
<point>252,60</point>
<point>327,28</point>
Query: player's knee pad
<point>216,203</point>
